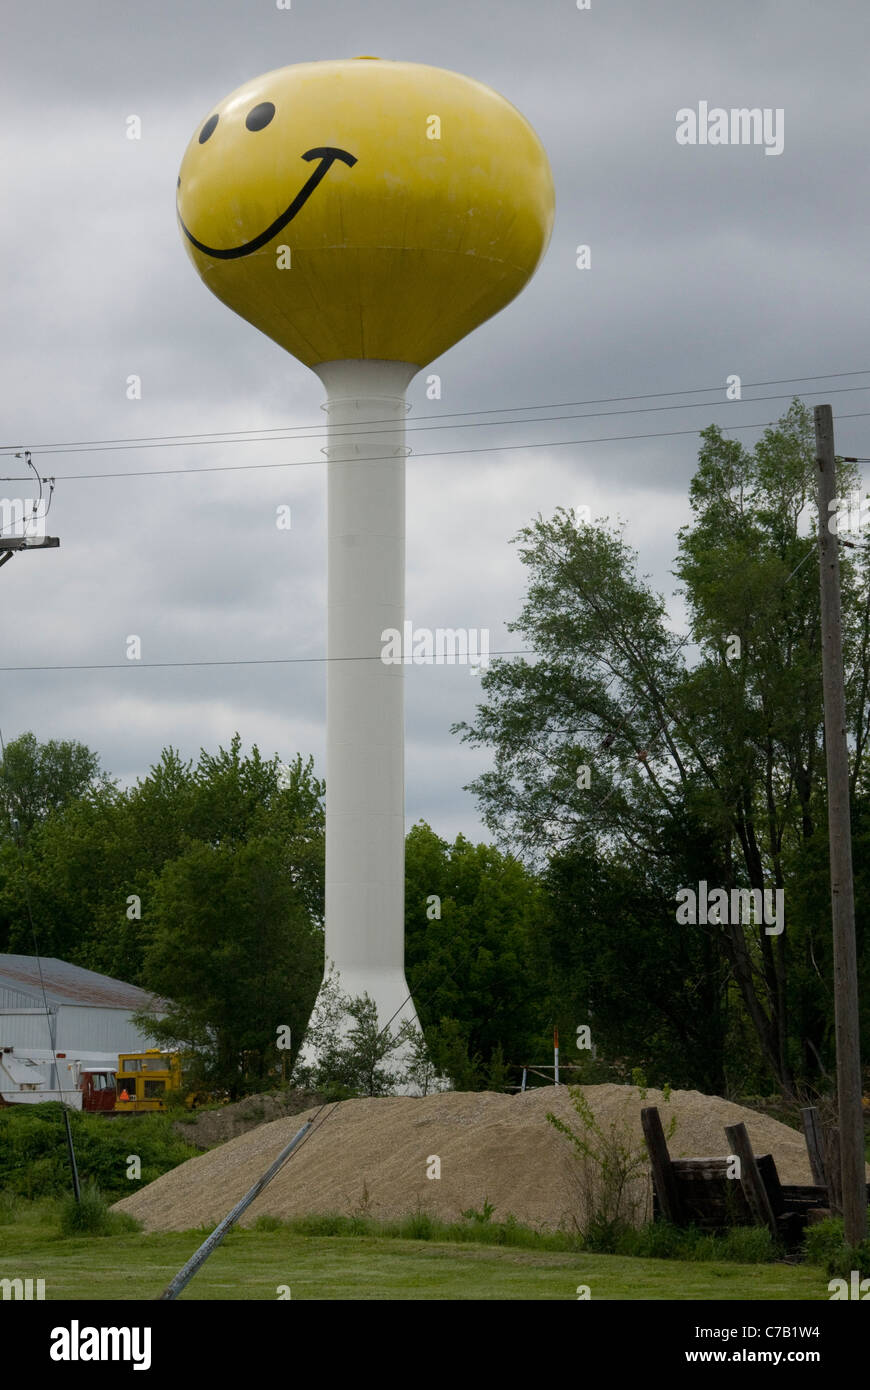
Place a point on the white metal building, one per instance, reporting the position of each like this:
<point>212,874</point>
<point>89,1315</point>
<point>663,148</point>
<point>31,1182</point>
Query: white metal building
<point>87,1013</point>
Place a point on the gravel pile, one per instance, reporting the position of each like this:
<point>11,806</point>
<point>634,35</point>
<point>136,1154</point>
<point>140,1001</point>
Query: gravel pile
<point>205,1128</point>
<point>371,1156</point>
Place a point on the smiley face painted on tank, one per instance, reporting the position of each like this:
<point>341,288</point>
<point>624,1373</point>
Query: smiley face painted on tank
<point>317,203</point>
<point>240,168</point>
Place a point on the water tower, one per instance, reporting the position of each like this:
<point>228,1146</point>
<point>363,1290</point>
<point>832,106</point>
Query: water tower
<point>366,215</point>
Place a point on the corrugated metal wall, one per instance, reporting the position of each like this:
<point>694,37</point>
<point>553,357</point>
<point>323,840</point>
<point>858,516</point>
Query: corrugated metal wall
<point>24,1030</point>
<point>79,1027</point>
<point>103,1030</point>
<point>15,999</point>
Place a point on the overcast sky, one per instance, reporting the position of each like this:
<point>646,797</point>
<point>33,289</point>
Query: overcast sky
<point>705,261</point>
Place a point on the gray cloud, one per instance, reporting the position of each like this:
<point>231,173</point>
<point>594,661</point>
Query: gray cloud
<point>705,261</point>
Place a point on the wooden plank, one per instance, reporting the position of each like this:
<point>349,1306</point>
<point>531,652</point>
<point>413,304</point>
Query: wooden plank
<point>711,1201</point>
<point>708,1168</point>
<point>701,1194</point>
<point>721,1202</point>
<point>737,1208</point>
<point>812,1127</point>
<point>662,1171</point>
<point>805,1192</point>
<point>805,1199</point>
<point>751,1180</point>
<point>770,1178</point>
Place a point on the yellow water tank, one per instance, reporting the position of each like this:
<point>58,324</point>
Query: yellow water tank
<point>362,208</point>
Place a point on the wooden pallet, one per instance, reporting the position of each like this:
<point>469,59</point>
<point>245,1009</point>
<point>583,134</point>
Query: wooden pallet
<point>714,1193</point>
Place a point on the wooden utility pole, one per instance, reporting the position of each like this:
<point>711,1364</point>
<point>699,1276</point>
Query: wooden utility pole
<point>28,541</point>
<point>8,547</point>
<point>840,841</point>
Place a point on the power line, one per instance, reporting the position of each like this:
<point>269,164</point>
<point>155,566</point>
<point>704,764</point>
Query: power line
<point>34,501</point>
<point>434,453</point>
<point>254,661</point>
<point>319,660</point>
<point>277,437</point>
<point>218,436</point>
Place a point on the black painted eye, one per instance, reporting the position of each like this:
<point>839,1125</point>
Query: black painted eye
<point>260,116</point>
<point>208,129</point>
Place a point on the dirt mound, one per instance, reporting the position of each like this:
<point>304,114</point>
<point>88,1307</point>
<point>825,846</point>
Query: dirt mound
<point>205,1128</point>
<point>372,1156</point>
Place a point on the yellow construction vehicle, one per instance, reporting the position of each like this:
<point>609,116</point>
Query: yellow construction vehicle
<point>143,1080</point>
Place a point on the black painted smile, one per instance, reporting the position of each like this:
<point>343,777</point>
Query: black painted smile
<point>327,154</point>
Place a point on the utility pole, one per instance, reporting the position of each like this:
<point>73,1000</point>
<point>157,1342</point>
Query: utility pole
<point>10,546</point>
<point>31,537</point>
<point>840,841</point>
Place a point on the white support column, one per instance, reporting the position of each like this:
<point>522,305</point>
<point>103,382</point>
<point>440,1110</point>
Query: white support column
<point>365,793</point>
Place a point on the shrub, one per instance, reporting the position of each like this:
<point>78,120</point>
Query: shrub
<point>91,1215</point>
<point>324,1224</point>
<point>495,1070</point>
<point>842,1262</point>
<point>10,1205</point>
<point>267,1222</point>
<point>601,1235</point>
<point>612,1164</point>
<point>481,1217</point>
<point>359,1060</point>
<point>824,1241</point>
<point>448,1046</point>
<point>661,1241</point>
<point>33,1151</point>
<point>418,1227</point>
<point>336,1090</point>
<point>748,1245</point>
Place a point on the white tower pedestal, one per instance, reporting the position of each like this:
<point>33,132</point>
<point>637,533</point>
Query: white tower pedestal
<point>365,732</point>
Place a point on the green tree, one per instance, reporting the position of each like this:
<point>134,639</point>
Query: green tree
<point>38,778</point>
<point>729,749</point>
<point>472,970</point>
<point>651,991</point>
<point>97,871</point>
<point>63,870</point>
<point>235,951</point>
<point>90,867</point>
<point>363,1059</point>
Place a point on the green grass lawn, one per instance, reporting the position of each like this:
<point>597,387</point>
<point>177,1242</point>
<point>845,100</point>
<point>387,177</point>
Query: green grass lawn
<point>253,1264</point>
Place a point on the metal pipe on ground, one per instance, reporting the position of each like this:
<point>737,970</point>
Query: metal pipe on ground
<point>184,1275</point>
